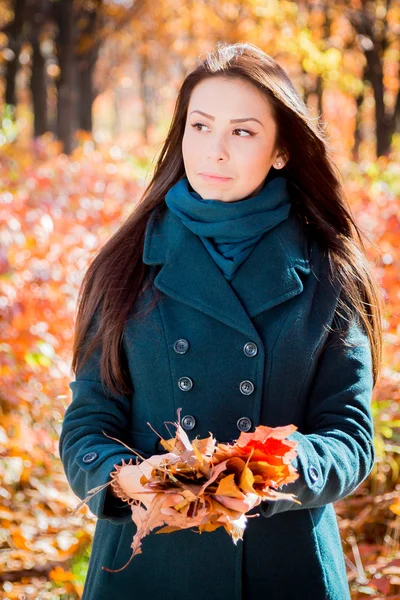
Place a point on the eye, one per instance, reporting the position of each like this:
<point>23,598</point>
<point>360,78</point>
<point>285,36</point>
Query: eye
<point>245,130</point>
<point>195,125</point>
<point>198,125</point>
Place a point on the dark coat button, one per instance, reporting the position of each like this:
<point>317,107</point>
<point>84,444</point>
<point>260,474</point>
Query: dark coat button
<point>188,422</point>
<point>89,457</point>
<point>250,349</point>
<point>246,387</point>
<point>185,384</point>
<point>313,473</point>
<point>243,424</point>
<point>181,346</point>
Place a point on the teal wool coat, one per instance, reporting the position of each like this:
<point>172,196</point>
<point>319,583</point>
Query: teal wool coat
<point>233,355</point>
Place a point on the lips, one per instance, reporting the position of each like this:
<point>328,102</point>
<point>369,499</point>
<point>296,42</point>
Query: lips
<point>215,176</point>
<point>210,174</point>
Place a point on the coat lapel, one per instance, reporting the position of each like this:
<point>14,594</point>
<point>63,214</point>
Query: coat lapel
<point>189,274</point>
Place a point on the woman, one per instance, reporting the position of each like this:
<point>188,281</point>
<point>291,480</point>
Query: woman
<point>236,291</point>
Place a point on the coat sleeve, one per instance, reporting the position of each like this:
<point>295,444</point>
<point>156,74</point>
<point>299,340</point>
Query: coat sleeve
<point>87,455</point>
<point>336,453</point>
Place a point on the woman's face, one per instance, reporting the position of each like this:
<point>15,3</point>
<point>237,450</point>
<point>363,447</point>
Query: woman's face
<point>243,152</point>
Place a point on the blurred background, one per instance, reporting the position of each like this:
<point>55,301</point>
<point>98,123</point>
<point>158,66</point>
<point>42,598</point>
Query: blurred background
<point>87,90</point>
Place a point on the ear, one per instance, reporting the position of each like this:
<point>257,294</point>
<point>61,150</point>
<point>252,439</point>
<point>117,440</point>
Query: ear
<point>280,160</point>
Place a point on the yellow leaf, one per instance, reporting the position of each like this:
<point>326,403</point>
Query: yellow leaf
<point>169,445</point>
<point>181,504</point>
<point>228,487</point>
<point>168,529</point>
<point>59,574</point>
<point>247,480</point>
<point>395,507</point>
<point>209,526</point>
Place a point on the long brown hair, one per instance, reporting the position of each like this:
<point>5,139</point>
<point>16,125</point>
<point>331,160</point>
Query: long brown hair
<point>117,274</point>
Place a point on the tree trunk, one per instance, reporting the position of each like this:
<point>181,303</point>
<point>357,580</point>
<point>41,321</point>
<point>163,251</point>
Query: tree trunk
<point>38,88</point>
<point>144,94</point>
<point>373,45</point>
<point>383,119</point>
<point>86,95</point>
<point>396,114</point>
<point>14,33</point>
<point>67,83</point>
<point>11,73</point>
<point>87,63</point>
<point>357,129</point>
<point>319,89</point>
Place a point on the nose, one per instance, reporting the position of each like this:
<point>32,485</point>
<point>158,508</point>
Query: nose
<point>216,149</point>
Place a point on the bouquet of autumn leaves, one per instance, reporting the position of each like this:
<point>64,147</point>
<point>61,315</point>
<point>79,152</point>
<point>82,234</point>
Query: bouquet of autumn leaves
<point>204,484</point>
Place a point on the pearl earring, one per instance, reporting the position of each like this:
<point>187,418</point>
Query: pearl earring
<point>278,164</point>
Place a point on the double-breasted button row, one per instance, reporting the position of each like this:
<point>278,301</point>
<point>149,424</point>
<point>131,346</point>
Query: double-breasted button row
<point>188,422</point>
<point>182,345</point>
<point>186,383</point>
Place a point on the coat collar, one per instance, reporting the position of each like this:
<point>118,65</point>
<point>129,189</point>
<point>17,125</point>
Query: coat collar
<point>268,277</point>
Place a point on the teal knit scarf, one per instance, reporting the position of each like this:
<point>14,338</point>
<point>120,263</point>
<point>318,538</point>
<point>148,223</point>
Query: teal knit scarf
<point>230,230</point>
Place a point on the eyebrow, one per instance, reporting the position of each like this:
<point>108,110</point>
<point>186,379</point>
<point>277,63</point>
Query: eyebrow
<point>231,121</point>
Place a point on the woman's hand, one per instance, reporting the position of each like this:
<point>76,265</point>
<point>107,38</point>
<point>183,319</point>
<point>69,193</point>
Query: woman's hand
<point>250,502</point>
<point>128,483</point>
